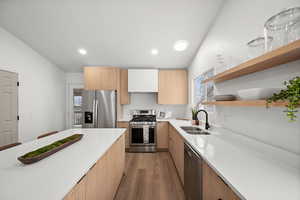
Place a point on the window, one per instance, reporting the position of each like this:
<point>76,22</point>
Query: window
<point>77,101</point>
<point>77,111</point>
<point>199,90</point>
<point>203,91</point>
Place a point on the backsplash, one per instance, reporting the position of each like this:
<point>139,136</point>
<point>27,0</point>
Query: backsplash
<point>148,101</point>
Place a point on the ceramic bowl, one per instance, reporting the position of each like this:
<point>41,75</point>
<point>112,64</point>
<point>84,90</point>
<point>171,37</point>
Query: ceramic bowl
<point>225,97</point>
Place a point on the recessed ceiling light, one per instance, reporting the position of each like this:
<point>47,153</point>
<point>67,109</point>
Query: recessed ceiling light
<point>181,45</point>
<point>154,51</point>
<point>82,51</point>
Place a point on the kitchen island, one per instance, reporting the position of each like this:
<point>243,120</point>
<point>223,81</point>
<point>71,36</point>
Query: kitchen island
<point>90,168</point>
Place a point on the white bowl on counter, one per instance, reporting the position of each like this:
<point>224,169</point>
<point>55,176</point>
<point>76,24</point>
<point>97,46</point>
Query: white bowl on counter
<point>257,93</point>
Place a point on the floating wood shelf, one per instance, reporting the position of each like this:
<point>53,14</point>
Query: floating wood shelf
<point>282,55</point>
<point>253,103</point>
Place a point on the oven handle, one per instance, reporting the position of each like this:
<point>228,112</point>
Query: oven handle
<point>141,126</point>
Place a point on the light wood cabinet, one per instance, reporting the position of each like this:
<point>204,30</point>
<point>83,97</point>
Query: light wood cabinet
<point>103,179</point>
<point>124,95</point>
<point>179,155</point>
<point>231,195</point>
<point>214,188</point>
<point>172,87</point>
<point>176,148</point>
<point>163,135</point>
<point>101,78</point>
<point>125,125</point>
<point>92,186</point>
<point>80,189</point>
<point>78,192</point>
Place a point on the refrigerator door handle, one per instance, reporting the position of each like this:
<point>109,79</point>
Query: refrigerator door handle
<point>96,114</point>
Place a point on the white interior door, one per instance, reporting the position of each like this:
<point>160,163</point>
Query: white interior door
<point>8,107</point>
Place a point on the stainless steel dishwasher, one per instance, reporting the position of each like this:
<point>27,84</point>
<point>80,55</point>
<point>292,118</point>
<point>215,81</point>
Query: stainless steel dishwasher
<point>192,174</point>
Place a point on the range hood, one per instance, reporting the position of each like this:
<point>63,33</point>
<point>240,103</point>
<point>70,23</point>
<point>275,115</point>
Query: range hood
<point>142,80</point>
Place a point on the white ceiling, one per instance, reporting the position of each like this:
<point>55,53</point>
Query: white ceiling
<point>114,32</point>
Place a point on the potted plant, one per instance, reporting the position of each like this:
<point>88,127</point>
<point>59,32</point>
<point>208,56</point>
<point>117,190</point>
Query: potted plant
<point>195,120</point>
<point>292,95</point>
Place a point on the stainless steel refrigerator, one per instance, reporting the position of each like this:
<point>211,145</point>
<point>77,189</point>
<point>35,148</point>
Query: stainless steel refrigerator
<point>99,109</point>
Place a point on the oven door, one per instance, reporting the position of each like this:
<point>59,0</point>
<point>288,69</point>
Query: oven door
<point>142,135</point>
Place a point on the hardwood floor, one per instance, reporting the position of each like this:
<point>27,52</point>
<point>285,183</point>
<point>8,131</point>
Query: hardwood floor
<point>150,176</point>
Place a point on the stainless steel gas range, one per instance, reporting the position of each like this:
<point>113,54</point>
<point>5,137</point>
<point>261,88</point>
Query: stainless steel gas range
<point>142,131</point>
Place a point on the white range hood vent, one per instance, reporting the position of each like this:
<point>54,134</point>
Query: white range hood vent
<point>142,80</point>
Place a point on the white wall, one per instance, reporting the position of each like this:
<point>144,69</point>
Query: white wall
<point>41,91</point>
<point>238,23</point>
<point>148,101</point>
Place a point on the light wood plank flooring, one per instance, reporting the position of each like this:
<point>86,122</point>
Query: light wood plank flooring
<point>150,176</point>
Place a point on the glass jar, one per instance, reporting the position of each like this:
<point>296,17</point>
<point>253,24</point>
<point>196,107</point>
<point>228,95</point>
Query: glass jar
<point>294,33</point>
<point>282,27</point>
<point>220,64</point>
<point>257,46</point>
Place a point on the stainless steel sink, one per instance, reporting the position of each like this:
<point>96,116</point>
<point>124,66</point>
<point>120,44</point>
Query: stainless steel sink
<point>194,130</point>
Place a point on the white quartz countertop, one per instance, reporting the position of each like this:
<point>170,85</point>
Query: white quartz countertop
<point>255,171</point>
<point>53,177</point>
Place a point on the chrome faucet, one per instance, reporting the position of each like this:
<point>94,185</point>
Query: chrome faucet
<point>207,126</point>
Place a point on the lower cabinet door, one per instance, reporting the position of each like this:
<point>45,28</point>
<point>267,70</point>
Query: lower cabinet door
<point>91,184</point>
<point>231,195</point>
<point>80,189</point>
<point>162,135</point>
<point>125,125</point>
<point>103,178</point>
<point>214,188</point>
<point>70,195</point>
<point>78,192</point>
<point>179,154</point>
<point>176,149</point>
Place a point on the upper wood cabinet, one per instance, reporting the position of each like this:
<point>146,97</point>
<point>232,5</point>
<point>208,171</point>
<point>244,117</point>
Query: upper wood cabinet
<point>124,95</point>
<point>172,86</point>
<point>101,78</point>
<point>108,78</point>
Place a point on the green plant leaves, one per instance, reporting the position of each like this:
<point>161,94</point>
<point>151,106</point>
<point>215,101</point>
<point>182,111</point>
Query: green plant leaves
<point>50,146</point>
<point>292,95</point>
